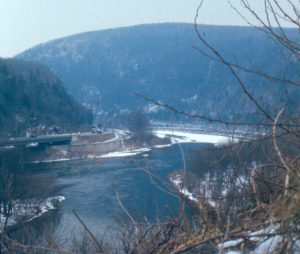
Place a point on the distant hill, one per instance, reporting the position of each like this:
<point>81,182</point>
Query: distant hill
<point>103,69</point>
<point>33,97</point>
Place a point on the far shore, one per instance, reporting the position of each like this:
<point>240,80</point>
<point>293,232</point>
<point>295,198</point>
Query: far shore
<point>130,147</point>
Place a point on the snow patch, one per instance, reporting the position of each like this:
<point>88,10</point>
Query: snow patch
<point>53,160</point>
<point>162,146</point>
<point>33,144</point>
<point>264,244</point>
<point>191,99</point>
<point>186,137</point>
<point>28,210</point>
<point>177,181</point>
<point>230,244</point>
<point>8,147</point>
<point>152,108</point>
<point>123,153</point>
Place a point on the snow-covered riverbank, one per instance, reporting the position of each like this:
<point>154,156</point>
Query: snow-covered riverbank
<point>174,137</point>
<point>124,153</point>
<point>177,181</point>
<point>188,137</point>
<point>263,240</point>
<point>28,210</point>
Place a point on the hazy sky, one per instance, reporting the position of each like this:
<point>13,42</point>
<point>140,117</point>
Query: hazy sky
<point>25,23</point>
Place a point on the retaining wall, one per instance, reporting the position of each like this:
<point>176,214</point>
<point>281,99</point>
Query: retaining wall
<point>97,148</point>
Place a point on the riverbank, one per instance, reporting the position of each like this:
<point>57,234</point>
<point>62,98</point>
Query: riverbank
<point>157,139</point>
<point>225,198</point>
<point>24,211</point>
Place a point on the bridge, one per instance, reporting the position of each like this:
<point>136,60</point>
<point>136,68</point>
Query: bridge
<point>48,140</point>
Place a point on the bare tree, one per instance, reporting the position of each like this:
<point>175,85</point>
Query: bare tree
<point>139,125</point>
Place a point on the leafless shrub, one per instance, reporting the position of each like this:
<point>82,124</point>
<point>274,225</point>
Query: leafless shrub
<point>269,166</point>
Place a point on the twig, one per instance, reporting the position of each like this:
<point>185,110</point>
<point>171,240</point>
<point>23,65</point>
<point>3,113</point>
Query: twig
<point>127,213</point>
<point>279,154</point>
<point>26,248</point>
<point>206,118</point>
<point>231,69</point>
<point>87,230</point>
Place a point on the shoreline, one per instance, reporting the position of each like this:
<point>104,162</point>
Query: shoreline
<point>172,137</point>
<point>26,211</point>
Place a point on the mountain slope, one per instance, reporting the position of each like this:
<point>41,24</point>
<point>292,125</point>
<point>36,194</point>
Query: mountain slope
<point>33,97</point>
<point>104,68</point>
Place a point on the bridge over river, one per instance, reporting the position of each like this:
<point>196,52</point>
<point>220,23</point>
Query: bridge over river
<point>67,146</point>
<point>48,140</point>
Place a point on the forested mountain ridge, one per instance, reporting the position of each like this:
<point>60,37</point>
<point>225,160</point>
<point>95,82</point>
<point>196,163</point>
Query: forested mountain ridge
<point>33,97</point>
<point>104,68</point>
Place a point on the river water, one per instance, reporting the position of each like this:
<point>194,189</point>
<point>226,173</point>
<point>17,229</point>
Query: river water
<point>91,186</point>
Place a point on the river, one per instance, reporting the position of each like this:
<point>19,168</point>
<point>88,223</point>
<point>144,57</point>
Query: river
<point>90,188</point>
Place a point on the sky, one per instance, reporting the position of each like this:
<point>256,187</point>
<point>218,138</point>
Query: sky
<point>26,23</point>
